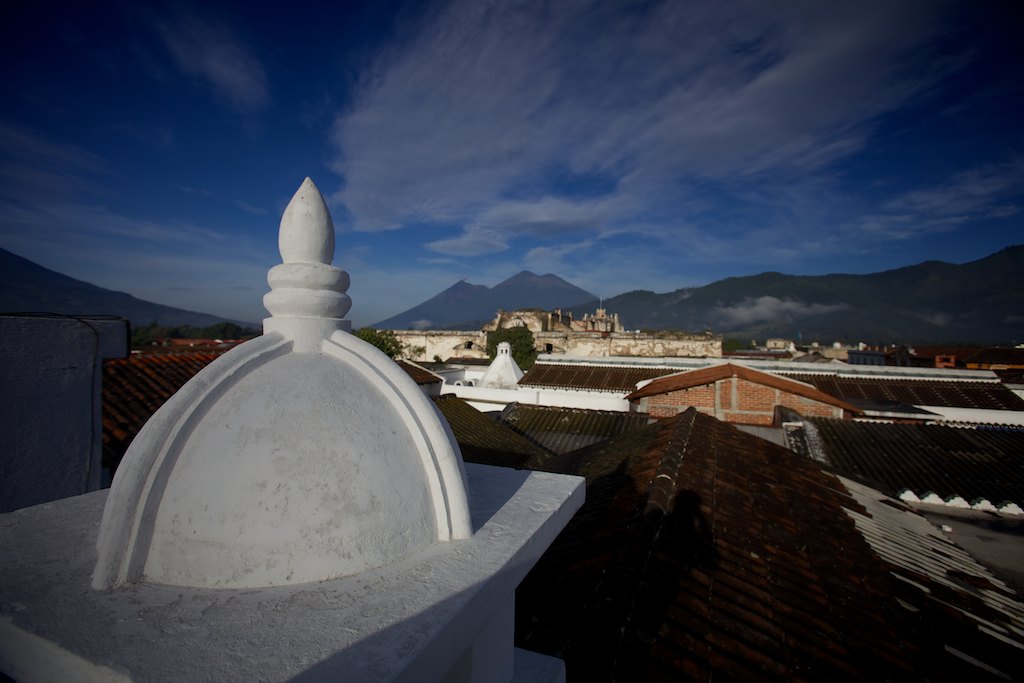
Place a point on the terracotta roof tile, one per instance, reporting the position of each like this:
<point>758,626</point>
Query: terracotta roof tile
<point>561,430</point>
<point>135,387</point>
<point>705,553</point>
<point>484,440</point>
<point>419,374</point>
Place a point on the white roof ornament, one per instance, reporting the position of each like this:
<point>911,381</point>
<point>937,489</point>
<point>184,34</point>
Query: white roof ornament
<point>307,300</point>
<point>503,372</point>
<point>301,455</point>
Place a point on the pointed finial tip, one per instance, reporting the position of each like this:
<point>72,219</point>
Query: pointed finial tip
<point>306,285</point>
<point>307,231</point>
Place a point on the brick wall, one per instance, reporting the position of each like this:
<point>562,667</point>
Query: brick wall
<point>735,400</point>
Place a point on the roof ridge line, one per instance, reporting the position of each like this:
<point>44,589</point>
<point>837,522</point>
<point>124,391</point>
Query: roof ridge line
<point>662,488</point>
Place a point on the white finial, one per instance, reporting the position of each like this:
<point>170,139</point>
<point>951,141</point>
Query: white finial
<point>307,231</point>
<point>307,300</point>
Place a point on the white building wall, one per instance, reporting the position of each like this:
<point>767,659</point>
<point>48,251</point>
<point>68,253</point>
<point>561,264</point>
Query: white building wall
<point>447,344</point>
<point>489,399</point>
<point>443,344</point>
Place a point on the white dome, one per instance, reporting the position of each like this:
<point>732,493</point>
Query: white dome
<point>301,455</point>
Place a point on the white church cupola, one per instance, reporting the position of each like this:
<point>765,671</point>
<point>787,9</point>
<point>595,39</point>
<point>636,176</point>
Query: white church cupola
<point>503,372</point>
<point>302,455</point>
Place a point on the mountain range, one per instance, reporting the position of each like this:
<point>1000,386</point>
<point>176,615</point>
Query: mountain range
<point>467,307</point>
<point>27,287</point>
<point>931,302</point>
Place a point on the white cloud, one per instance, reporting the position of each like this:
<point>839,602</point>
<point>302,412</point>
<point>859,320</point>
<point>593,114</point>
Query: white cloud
<point>551,259</point>
<point>770,308</point>
<point>249,208</point>
<point>216,55</point>
<point>474,241</point>
<point>983,192</point>
<point>936,319</point>
<point>466,123</point>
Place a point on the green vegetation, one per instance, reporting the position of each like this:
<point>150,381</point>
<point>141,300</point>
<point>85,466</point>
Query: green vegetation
<point>385,340</point>
<point>520,338</point>
<point>729,345</point>
<point>153,333</point>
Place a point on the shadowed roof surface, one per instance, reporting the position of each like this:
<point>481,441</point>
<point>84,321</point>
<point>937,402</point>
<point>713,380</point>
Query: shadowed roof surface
<point>592,377</point>
<point>951,394</point>
<point>703,553</point>
<point>561,430</point>
<point>486,441</point>
<point>947,461</point>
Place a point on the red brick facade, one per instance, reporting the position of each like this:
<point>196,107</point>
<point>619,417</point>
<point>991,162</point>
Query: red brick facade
<point>737,400</point>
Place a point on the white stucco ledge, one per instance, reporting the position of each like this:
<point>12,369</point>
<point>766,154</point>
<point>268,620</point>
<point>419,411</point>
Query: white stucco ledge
<point>442,614</point>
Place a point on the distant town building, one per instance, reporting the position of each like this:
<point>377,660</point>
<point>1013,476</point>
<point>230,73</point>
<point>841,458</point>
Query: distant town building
<point>557,332</point>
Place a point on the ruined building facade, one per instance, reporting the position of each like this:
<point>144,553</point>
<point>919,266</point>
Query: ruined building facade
<point>591,336</point>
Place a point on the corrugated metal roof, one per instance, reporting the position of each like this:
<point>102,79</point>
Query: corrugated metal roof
<point>703,553</point>
<point>775,435</point>
<point>948,461</point>
<point>924,556</point>
<point>561,430</point>
<point>952,394</point>
<point>590,377</point>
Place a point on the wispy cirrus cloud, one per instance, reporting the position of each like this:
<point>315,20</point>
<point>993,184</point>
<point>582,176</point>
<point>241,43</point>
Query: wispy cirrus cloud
<point>220,58</point>
<point>978,193</point>
<point>475,240</point>
<point>251,209</point>
<point>35,168</point>
<point>490,115</point>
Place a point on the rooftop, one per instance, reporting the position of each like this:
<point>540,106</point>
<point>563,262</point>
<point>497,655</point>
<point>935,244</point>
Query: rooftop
<point>487,441</point>
<point>954,394</point>
<point>704,553</point>
<point>561,430</point>
<point>974,464</point>
<point>418,373</point>
<point>589,377</point>
<point>696,378</point>
<point>136,386</point>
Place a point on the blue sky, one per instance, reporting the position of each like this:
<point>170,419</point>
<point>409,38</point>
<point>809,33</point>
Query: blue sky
<point>151,147</point>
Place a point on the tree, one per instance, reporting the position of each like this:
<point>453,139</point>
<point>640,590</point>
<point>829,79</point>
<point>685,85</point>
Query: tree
<point>730,344</point>
<point>385,340</point>
<point>520,338</point>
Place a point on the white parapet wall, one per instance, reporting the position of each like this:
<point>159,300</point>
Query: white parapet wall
<point>487,399</point>
<point>443,615</point>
